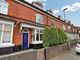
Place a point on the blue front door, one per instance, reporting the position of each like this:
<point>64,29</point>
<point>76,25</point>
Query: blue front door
<point>25,40</point>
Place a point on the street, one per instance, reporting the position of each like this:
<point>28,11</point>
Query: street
<point>68,55</point>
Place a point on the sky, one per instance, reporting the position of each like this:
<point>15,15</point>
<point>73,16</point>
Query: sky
<point>72,7</point>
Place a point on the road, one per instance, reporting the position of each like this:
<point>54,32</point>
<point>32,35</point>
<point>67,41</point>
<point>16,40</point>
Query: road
<point>68,55</point>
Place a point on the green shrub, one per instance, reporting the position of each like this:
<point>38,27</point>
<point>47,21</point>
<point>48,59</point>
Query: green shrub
<point>61,36</point>
<point>53,36</point>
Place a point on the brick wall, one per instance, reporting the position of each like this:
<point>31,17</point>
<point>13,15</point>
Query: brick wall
<point>24,12</point>
<point>22,55</point>
<point>59,24</point>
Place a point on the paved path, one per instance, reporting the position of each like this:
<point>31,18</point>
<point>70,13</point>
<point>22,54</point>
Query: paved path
<point>68,55</point>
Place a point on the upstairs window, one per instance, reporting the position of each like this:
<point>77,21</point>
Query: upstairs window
<point>53,23</point>
<point>4,7</point>
<point>39,19</point>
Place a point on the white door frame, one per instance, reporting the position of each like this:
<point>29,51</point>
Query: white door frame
<point>28,36</point>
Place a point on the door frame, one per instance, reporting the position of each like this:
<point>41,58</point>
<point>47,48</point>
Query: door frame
<point>28,36</point>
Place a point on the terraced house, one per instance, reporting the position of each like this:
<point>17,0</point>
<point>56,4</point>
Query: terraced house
<point>22,25</point>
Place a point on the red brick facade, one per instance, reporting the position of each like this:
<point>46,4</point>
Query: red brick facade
<point>24,12</point>
<point>20,11</point>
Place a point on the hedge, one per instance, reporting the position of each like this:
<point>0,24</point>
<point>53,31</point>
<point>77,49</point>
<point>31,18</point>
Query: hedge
<point>53,36</point>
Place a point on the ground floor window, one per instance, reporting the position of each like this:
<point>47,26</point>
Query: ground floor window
<point>6,32</point>
<point>37,35</point>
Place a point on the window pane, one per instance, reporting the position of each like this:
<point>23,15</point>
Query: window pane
<point>33,37</point>
<point>37,37</point>
<point>0,35</point>
<point>6,37</point>
<point>39,19</point>
<point>40,36</point>
<point>37,31</point>
<point>7,27</point>
<point>1,27</point>
<point>52,23</point>
<point>0,7</point>
<point>41,31</point>
<point>4,7</point>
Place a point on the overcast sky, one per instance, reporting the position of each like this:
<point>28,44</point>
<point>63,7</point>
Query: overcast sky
<point>57,6</point>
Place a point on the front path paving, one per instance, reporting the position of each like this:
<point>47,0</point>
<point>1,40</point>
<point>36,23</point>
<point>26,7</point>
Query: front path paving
<point>68,55</point>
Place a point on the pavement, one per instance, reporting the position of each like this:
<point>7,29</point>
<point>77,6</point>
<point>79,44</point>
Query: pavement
<point>68,55</point>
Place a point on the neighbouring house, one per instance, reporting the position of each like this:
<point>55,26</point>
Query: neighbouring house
<point>22,25</point>
<point>71,31</point>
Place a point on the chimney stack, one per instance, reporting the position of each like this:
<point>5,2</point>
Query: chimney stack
<point>38,4</point>
<point>50,11</point>
<point>69,22</point>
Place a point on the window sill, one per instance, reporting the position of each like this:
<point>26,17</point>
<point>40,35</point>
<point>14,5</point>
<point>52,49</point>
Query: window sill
<point>3,45</point>
<point>37,42</point>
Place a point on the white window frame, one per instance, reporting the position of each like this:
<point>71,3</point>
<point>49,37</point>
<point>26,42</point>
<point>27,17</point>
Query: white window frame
<point>34,31</point>
<point>4,10</point>
<point>53,23</point>
<point>37,41</point>
<point>39,19</point>
<point>10,43</point>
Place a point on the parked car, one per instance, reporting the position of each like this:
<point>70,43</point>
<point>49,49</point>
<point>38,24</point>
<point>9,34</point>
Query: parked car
<point>78,48</point>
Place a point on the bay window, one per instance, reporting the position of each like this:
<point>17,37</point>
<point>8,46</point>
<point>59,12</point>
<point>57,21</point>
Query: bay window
<point>37,36</point>
<point>6,32</point>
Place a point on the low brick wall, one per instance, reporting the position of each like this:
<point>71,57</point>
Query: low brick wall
<point>40,54</point>
<point>55,50</point>
<point>50,52</point>
<point>22,55</point>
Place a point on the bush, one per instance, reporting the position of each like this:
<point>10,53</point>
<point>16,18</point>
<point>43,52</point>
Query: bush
<point>53,36</point>
<point>61,36</point>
